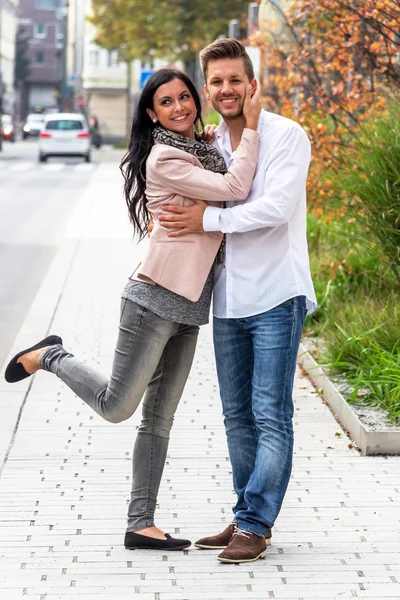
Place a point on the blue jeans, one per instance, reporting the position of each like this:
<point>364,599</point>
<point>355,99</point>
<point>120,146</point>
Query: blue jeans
<point>256,362</point>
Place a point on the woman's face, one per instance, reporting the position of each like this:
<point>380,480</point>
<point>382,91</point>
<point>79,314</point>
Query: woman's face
<point>174,108</point>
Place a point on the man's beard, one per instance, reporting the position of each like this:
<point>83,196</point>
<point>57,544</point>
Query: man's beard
<point>234,115</point>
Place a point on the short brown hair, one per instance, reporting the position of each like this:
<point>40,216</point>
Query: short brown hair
<point>226,48</point>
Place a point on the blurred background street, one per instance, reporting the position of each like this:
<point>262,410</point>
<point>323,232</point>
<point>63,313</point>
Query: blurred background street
<point>36,201</point>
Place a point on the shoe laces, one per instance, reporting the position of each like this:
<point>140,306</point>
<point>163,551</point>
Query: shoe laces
<point>240,532</point>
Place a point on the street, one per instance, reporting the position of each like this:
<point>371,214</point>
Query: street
<point>36,201</point>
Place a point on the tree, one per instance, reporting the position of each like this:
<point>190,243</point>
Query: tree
<point>22,62</point>
<point>202,21</point>
<point>176,29</point>
<point>130,27</point>
<point>339,69</point>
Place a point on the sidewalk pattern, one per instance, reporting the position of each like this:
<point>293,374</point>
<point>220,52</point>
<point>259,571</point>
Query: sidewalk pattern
<point>64,488</point>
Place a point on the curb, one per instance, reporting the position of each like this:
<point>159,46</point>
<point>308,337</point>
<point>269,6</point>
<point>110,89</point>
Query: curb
<point>370,442</point>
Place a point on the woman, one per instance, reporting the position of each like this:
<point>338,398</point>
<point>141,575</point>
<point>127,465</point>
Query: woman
<point>168,297</point>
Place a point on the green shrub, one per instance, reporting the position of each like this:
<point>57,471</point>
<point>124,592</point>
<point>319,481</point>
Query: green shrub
<point>344,266</point>
<point>371,181</point>
<point>355,262</point>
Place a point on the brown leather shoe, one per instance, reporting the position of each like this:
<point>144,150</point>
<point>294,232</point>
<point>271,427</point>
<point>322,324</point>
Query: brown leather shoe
<point>221,540</point>
<point>243,547</point>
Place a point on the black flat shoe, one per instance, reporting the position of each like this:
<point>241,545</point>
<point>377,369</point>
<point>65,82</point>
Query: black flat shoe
<point>15,371</point>
<point>135,541</point>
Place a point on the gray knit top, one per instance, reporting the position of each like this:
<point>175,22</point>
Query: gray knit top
<point>170,306</point>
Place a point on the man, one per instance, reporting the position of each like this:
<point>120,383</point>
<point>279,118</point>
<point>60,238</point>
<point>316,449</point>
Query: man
<point>261,296</point>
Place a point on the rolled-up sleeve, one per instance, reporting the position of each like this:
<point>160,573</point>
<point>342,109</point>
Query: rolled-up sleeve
<point>285,179</point>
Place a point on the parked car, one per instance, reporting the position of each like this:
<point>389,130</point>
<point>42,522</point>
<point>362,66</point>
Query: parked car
<point>64,134</point>
<point>32,125</point>
<point>7,128</point>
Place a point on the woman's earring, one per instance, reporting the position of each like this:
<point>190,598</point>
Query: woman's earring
<point>154,120</point>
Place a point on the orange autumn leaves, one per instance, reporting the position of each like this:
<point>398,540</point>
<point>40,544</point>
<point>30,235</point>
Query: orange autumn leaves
<point>343,65</point>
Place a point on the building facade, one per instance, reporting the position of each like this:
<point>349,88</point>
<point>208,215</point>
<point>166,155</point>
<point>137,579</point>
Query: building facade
<point>43,23</point>
<point>99,80</point>
<point>8,29</point>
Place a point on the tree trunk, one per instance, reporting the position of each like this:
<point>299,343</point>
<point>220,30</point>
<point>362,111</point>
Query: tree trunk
<point>192,69</point>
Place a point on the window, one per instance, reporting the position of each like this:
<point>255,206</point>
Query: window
<point>65,125</point>
<point>112,59</point>
<point>39,30</point>
<point>47,4</point>
<point>59,33</point>
<point>39,58</point>
<point>94,58</point>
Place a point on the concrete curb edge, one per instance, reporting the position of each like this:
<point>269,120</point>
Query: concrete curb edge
<point>370,442</point>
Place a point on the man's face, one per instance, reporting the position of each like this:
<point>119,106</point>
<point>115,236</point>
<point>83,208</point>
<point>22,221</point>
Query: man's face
<point>226,86</point>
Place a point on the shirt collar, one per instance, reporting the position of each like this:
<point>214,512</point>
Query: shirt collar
<point>222,128</point>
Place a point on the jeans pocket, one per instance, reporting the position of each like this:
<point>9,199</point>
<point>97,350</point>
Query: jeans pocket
<point>301,304</point>
<point>288,305</point>
<point>297,303</point>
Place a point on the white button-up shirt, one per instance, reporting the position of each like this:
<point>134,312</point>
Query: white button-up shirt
<point>266,258</point>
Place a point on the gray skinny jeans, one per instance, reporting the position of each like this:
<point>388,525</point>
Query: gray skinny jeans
<point>153,355</point>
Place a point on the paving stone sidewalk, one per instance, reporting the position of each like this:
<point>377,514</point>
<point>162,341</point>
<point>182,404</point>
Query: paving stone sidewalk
<point>65,483</point>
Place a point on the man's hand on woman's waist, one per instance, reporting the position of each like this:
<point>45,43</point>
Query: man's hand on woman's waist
<point>188,219</point>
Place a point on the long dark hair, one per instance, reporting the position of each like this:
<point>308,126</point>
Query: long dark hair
<point>133,165</point>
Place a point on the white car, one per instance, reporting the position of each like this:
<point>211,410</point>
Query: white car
<point>64,134</point>
<point>33,125</point>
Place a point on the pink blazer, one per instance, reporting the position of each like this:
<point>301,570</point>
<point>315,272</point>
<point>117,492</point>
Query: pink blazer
<point>174,176</point>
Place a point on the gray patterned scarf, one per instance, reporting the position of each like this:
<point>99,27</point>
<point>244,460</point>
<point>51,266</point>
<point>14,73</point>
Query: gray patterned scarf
<point>209,157</point>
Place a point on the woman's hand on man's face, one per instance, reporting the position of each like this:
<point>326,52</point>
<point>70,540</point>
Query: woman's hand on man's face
<point>252,105</point>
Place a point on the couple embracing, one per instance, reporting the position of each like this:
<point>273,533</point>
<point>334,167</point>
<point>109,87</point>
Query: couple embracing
<point>229,220</point>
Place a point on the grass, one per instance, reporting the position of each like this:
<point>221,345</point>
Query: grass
<point>372,371</point>
<point>359,315</point>
<point>345,264</point>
